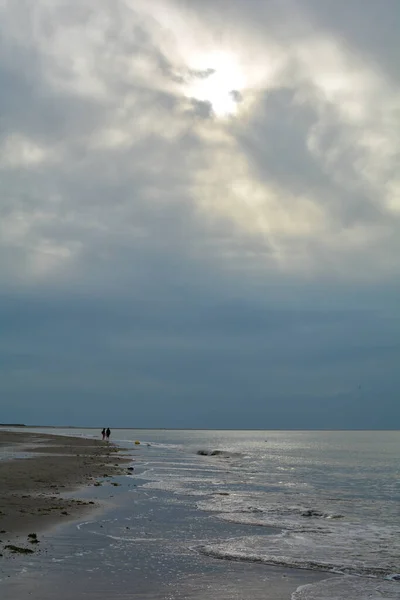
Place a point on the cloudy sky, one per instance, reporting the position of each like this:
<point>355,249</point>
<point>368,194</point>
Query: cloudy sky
<point>200,213</point>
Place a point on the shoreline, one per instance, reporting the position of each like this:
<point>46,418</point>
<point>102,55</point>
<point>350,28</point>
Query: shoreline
<point>146,541</point>
<point>146,550</point>
<point>26,428</point>
<point>31,494</point>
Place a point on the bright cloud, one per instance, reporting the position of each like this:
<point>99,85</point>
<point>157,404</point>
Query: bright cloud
<point>120,111</point>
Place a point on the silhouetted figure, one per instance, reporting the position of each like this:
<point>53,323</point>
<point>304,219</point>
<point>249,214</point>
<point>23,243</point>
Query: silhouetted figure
<point>103,433</point>
<point>108,433</point>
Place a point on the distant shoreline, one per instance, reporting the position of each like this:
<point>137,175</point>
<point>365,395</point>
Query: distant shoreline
<point>91,427</point>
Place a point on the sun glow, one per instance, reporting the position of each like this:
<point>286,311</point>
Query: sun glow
<point>218,79</point>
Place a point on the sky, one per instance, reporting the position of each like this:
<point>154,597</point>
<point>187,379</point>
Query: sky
<point>200,213</point>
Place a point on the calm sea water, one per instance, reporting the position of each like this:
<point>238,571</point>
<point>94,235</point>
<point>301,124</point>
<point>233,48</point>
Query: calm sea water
<point>322,501</point>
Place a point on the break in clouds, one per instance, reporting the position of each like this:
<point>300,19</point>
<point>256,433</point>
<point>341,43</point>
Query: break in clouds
<point>199,199</point>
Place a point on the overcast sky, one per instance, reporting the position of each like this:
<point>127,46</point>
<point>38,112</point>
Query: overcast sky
<point>200,213</point>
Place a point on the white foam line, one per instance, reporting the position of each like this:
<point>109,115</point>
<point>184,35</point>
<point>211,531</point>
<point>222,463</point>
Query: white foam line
<point>83,524</point>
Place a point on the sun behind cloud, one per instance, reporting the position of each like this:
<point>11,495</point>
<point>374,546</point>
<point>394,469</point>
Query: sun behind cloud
<point>218,79</point>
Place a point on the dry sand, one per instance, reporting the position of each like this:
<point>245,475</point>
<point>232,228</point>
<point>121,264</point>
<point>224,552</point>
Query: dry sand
<point>31,488</point>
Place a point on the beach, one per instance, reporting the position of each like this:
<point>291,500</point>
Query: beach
<point>198,515</point>
<point>37,469</point>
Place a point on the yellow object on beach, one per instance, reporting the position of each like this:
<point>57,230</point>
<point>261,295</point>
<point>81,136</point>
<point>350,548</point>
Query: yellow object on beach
<point>137,442</point>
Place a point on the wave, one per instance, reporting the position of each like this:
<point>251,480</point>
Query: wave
<point>259,508</point>
<point>348,587</point>
<point>289,562</point>
<point>348,551</point>
<point>308,521</point>
<point>308,514</point>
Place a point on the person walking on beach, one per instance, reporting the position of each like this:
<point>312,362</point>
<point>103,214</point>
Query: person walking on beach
<point>108,433</point>
<point>103,433</point>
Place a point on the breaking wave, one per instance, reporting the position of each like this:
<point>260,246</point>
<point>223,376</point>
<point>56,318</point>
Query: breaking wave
<point>348,588</point>
<point>348,549</point>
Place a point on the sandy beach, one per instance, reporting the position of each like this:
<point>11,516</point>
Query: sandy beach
<point>135,546</point>
<point>36,469</point>
<point>176,524</point>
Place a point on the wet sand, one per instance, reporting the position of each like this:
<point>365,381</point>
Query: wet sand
<point>36,469</point>
<point>141,547</point>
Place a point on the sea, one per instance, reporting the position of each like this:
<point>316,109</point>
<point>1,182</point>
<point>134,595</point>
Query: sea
<point>303,515</point>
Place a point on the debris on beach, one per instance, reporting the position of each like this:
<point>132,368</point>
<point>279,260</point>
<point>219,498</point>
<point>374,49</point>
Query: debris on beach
<point>18,549</point>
